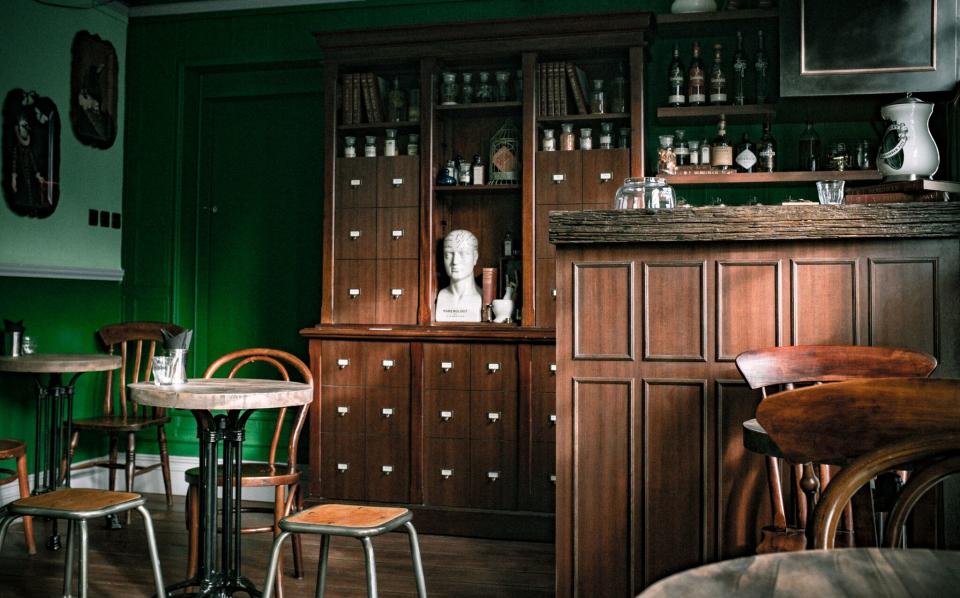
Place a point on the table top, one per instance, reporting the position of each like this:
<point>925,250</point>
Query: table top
<point>59,363</point>
<point>853,572</point>
<point>223,393</point>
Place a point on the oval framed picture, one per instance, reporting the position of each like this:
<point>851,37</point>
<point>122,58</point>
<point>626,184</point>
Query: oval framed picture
<point>93,90</point>
<point>31,153</point>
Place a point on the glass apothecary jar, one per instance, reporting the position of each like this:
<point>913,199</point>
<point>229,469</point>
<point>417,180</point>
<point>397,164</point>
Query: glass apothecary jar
<point>390,142</point>
<point>466,88</point>
<point>606,135</point>
<point>503,86</point>
<point>586,138</point>
<point>598,98</point>
<point>448,88</point>
<point>349,146</point>
<point>484,88</point>
<point>645,192</point>
<point>370,146</point>
<point>413,144</point>
<point>568,139</point>
<point>549,141</point>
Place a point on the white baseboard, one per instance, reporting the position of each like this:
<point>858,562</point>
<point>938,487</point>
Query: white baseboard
<point>149,483</point>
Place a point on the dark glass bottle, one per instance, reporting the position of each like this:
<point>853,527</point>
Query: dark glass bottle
<point>746,155</point>
<point>696,88</point>
<point>396,103</point>
<point>676,80</point>
<point>810,149</point>
<point>721,152</point>
<point>739,73</point>
<point>760,67</point>
<point>718,79</point>
<point>767,150</point>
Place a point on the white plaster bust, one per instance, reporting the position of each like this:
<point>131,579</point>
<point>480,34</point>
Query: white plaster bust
<point>462,300</point>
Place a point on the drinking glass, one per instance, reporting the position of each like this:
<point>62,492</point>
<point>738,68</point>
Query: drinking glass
<point>830,192</point>
<point>162,369</point>
<point>28,345</point>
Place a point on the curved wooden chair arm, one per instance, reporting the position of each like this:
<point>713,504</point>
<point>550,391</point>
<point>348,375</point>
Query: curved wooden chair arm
<point>842,488</point>
<point>920,483</point>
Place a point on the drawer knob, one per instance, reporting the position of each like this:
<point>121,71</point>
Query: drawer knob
<point>553,292</point>
<point>553,419</point>
<point>343,410</point>
<point>446,415</point>
<point>493,367</point>
<point>396,294</point>
<point>355,182</point>
<point>397,182</point>
<point>387,364</point>
<point>446,473</point>
<point>342,363</point>
<point>493,476</point>
<point>354,235</point>
<point>553,478</point>
<point>446,366</point>
<point>353,293</point>
<point>396,233</point>
<point>342,467</point>
<point>493,416</point>
<point>558,178</point>
<point>606,176</point>
<point>386,469</point>
<point>553,368</point>
<point>387,412</point>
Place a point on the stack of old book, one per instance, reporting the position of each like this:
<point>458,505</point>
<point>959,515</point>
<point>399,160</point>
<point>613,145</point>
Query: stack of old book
<point>361,98</point>
<point>904,192</point>
<point>553,79</point>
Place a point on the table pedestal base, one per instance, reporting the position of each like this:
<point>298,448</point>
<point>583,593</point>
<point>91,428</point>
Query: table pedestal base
<point>214,586</point>
<point>51,465</point>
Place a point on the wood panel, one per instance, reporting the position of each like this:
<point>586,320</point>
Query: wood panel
<point>559,179</point>
<point>355,291</point>
<point>398,181</point>
<point>493,415</point>
<point>546,293</point>
<point>748,306</point>
<point>674,311</point>
<point>356,233</point>
<point>446,365</point>
<point>446,477</point>
<point>824,302</point>
<point>387,413</point>
<point>342,466</point>
<point>356,182</point>
<point>386,364</point>
<point>398,233</point>
<point>493,474</point>
<point>603,296</point>
<point>493,367</point>
<point>387,472</point>
<point>397,294</point>
<point>904,303</point>
<point>341,363</point>
<point>446,413</point>
<point>603,173</point>
<point>343,410</point>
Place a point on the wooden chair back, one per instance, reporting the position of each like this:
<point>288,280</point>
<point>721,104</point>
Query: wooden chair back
<point>931,459</point>
<point>283,362</point>
<point>136,343</point>
<point>787,366</point>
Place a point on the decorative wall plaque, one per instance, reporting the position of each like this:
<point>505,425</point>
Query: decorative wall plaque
<point>31,153</point>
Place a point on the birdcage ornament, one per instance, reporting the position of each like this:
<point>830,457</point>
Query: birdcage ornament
<point>505,155</point>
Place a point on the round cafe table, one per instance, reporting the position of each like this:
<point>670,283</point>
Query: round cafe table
<point>237,398</point>
<point>840,573</point>
<point>54,408</point>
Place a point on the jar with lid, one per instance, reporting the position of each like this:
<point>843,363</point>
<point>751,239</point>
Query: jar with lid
<point>623,140</point>
<point>463,170</point>
<point>606,135</point>
<point>681,150</point>
<point>503,86</point>
<point>586,138</point>
<point>549,143</point>
<point>396,103</point>
<point>445,176</point>
<point>413,144</point>
<point>618,92</point>
<point>413,107</point>
<point>390,142</point>
<point>704,152</point>
<point>666,158</point>
<point>466,88</point>
<point>644,192</point>
<point>567,137</point>
<point>349,146</point>
<point>448,88</point>
<point>370,146</point>
<point>598,99</point>
<point>484,88</point>
<point>694,151</point>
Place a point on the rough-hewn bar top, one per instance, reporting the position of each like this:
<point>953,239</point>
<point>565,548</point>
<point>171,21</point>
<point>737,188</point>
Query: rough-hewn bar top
<point>59,363</point>
<point>757,223</point>
<point>223,393</point>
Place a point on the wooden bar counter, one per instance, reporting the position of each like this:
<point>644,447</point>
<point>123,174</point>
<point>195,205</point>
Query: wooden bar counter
<point>653,307</point>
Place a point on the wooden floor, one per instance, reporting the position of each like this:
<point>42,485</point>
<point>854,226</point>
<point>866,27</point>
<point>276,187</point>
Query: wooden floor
<point>119,565</point>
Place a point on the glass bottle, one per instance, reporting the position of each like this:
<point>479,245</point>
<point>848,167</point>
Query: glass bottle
<point>503,86</point>
<point>396,103</point>
<point>618,92</point>
<point>448,89</point>
<point>739,73</point>
<point>349,146</point>
<point>598,99</point>
<point>549,141</point>
<point>623,139</point>
<point>694,152</point>
<point>413,107</point>
<point>767,150</point>
<point>681,150</point>
<point>760,66</point>
<point>863,155</point>
<point>477,170</point>
<point>466,88</point>
<point>484,88</point>
<point>704,152</point>
<point>370,146</point>
<point>507,245</point>
<point>676,85</point>
<point>413,144</point>
<point>746,155</point>
<point>721,152</point>
<point>606,135</point>
<point>586,138</point>
<point>390,142</point>
<point>696,91</point>
<point>810,149</point>
<point>463,170</point>
<point>567,138</point>
<point>718,79</point>
<point>666,158</point>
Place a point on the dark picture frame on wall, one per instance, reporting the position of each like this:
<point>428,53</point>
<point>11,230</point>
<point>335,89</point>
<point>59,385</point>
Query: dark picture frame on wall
<point>31,153</point>
<point>93,90</point>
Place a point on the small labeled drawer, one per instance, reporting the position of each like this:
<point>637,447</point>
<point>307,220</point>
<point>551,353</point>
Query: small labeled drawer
<point>342,409</point>
<point>544,415</point>
<point>386,365</point>
<point>398,181</point>
<point>356,182</point>
<point>388,411</point>
<point>356,233</point>
<point>446,366</point>
<point>388,469</point>
<point>544,364</point>
<point>398,233</point>
<point>603,173</point>
<point>355,284</point>
<point>493,474</point>
<point>342,472</point>
<point>341,363</point>
<point>446,413</point>
<point>558,178</point>
<point>493,367</point>
<point>493,415</point>
<point>397,291</point>
<point>446,479</point>
<point>543,482</point>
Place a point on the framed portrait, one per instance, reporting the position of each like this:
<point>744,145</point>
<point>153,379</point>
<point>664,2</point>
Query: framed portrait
<point>93,90</point>
<point>31,153</point>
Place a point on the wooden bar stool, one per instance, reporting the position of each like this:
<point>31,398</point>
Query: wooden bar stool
<point>351,521</point>
<point>77,505</point>
<point>17,450</point>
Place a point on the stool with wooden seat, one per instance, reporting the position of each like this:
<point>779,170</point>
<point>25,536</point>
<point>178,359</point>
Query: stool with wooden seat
<point>77,506</point>
<point>15,449</point>
<point>351,521</point>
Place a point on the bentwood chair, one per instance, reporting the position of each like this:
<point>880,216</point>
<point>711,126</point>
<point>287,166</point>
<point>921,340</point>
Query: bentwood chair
<point>136,343</point>
<point>868,427</point>
<point>284,477</point>
<point>17,450</point>
<point>774,368</point>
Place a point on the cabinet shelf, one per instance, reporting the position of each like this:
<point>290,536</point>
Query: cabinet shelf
<point>406,124</point>
<point>469,189</point>
<point>583,117</point>
<point>752,178</point>
<point>749,113</point>
<point>691,24</point>
<point>479,108</point>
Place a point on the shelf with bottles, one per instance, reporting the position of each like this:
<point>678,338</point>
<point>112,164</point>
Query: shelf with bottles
<point>753,178</point>
<point>582,89</point>
<point>374,100</point>
<point>371,143</point>
<point>747,113</point>
<point>483,87</point>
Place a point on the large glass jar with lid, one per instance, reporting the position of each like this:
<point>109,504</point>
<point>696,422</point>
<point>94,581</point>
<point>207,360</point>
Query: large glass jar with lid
<point>503,86</point>
<point>484,87</point>
<point>644,192</point>
<point>349,146</point>
<point>466,89</point>
<point>568,139</point>
<point>448,88</point>
<point>390,143</point>
<point>606,135</point>
<point>598,98</point>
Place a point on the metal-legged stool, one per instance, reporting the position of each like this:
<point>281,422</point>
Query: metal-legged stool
<point>15,449</point>
<point>352,521</point>
<point>77,505</point>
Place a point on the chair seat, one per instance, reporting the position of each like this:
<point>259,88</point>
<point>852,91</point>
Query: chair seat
<point>119,423</point>
<point>77,503</point>
<point>355,521</point>
<point>11,449</point>
<point>253,474</point>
